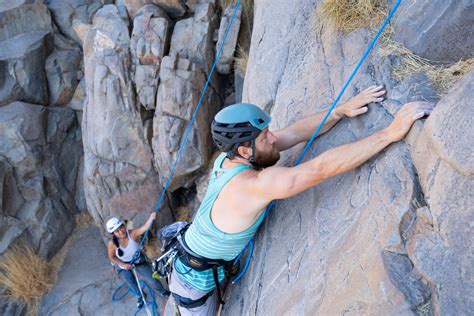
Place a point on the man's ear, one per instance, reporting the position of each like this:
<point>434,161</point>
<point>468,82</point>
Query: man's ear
<point>244,152</point>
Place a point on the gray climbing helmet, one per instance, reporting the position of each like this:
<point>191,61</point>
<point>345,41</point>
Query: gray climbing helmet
<point>236,124</point>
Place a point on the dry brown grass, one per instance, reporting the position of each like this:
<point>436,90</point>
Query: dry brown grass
<point>350,15</point>
<point>183,214</point>
<point>425,309</point>
<point>244,3</point>
<point>245,33</point>
<point>25,275</point>
<point>443,77</point>
<point>152,248</point>
<point>241,60</point>
<point>83,220</point>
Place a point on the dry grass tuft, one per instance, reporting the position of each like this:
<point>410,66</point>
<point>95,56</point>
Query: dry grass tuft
<point>241,60</point>
<point>443,77</point>
<point>245,33</point>
<point>83,219</point>
<point>244,3</point>
<point>152,248</point>
<point>425,309</point>
<point>25,275</point>
<point>350,15</point>
<point>183,214</point>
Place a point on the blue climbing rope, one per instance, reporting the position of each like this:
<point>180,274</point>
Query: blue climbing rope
<point>331,108</point>
<point>151,302</point>
<point>181,148</point>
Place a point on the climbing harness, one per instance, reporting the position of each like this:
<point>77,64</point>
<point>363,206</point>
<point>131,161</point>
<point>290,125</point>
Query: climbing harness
<point>185,138</point>
<point>316,132</point>
<point>174,246</point>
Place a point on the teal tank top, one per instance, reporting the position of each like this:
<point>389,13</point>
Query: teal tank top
<point>205,239</point>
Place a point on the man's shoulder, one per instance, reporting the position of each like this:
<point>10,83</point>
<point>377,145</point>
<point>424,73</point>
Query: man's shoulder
<point>248,178</point>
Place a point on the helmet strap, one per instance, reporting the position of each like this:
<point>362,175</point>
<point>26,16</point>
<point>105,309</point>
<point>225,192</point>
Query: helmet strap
<point>252,156</point>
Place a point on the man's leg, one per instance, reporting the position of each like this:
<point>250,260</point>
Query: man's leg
<point>145,273</point>
<point>179,287</point>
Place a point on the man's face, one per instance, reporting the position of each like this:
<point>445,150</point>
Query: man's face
<point>266,153</point>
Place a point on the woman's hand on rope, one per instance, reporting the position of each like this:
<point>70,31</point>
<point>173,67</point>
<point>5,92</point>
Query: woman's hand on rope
<point>151,218</point>
<point>406,116</point>
<point>126,266</point>
<point>358,105</point>
<point>136,233</point>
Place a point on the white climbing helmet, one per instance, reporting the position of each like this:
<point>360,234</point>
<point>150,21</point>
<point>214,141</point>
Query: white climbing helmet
<point>113,224</point>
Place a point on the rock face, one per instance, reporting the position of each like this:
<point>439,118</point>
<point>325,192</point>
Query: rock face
<point>66,12</point>
<point>25,41</point>
<point>119,176</point>
<point>224,65</point>
<point>178,94</point>
<point>10,307</point>
<point>150,42</point>
<point>62,73</point>
<point>40,158</point>
<point>175,8</point>
<point>348,245</point>
<point>86,281</point>
<point>182,78</point>
<point>193,37</point>
<point>440,244</point>
<point>442,34</point>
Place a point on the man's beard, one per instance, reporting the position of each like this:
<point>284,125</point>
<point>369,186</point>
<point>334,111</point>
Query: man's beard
<point>264,160</point>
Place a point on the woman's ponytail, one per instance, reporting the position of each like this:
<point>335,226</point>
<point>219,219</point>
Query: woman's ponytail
<point>116,243</point>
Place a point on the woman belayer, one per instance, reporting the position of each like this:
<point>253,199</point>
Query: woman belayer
<point>121,251</point>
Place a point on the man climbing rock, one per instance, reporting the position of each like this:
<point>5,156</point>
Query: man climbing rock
<point>245,180</point>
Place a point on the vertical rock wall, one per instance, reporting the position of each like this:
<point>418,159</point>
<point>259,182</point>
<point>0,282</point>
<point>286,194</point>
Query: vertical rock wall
<point>119,175</point>
<point>360,243</point>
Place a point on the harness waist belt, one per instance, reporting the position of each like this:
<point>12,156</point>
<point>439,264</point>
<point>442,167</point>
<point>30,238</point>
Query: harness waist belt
<point>197,262</point>
<point>189,303</point>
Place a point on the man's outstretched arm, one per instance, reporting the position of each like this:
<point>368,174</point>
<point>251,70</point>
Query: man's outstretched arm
<point>280,182</point>
<point>303,129</point>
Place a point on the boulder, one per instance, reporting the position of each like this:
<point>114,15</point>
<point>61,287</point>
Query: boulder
<point>193,37</point>
<point>26,41</point>
<point>41,152</point>
<point>62,72</point>
<point>69,12</point>
<point>226,59</point>
<point>81,30</point>
<point>79,96</point>
<point>175,8</point>
<point>441,237</point>
<point>149,43</point>
<point>438,30</point>
<point>9,306</point>
<point>119,175</point>
<point>23,16</point>
<point>178,95</point>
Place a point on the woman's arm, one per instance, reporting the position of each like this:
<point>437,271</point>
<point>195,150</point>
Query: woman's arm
<point>111,253</point>
<point>137,232</point>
